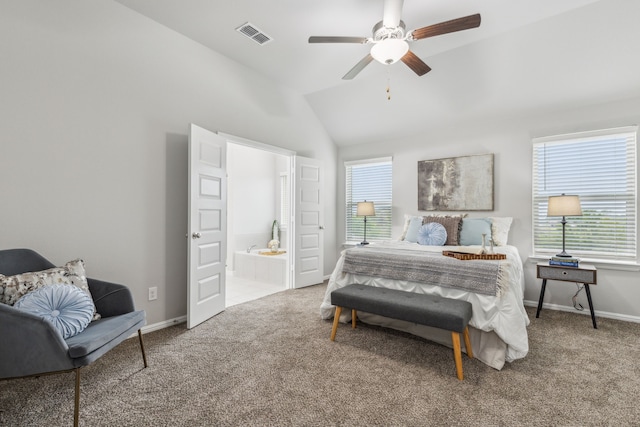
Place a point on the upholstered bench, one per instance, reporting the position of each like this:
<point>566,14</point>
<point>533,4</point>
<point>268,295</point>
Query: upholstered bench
<point>430,310</point>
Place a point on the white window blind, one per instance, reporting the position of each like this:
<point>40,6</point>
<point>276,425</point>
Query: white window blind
<point>369,180</point>
<point>600,167</point>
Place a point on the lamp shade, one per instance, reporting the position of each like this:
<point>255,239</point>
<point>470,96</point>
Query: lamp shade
<point>388,51</point>
<point>564,205</point>
<point>366,209</point>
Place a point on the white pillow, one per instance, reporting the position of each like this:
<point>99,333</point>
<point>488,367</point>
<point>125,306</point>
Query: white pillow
<point>500,229</point>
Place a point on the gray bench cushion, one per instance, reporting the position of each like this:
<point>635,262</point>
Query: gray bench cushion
<point>429,310</point>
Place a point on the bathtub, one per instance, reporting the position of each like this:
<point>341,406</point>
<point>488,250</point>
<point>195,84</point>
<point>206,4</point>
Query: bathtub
<point>261,268</point>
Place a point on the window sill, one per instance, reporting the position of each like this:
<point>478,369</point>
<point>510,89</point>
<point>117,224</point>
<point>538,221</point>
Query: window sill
<point>347,245</point>
<point>604,264</point>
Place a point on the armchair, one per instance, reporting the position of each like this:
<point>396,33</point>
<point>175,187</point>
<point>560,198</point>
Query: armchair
<point>32,346</point>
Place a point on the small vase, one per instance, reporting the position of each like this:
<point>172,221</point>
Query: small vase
<point>484,248</point>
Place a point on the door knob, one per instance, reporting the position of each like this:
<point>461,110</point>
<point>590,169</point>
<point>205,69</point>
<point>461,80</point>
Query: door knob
<point>196,235</point>
<point>321,227</point>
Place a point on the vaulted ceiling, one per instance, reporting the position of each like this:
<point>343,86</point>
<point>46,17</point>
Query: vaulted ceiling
<point>526,56</point>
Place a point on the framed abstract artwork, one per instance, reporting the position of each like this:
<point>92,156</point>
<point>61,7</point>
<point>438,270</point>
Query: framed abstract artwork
<point>456,184</point>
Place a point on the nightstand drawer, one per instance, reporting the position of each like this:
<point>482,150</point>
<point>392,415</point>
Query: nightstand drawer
<point>567,274</point>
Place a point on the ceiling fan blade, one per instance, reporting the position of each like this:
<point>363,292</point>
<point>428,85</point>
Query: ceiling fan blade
<point>392,12</point>
<point>358,67</point>
<point>465,23</point>
<point>338,39</point>
<point>416,64</point>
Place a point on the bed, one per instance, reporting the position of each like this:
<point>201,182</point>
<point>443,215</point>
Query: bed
<point>498,327</point>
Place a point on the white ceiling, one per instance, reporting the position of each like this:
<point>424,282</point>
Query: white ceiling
<point>505,65</point>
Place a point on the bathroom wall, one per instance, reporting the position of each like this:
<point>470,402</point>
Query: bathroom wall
<point>253,197</point>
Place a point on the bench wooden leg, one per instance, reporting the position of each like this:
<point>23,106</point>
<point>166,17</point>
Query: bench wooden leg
<point>336,320</point>
<point>457,353</point>
<point>354,315</point>
<point>467,343</point>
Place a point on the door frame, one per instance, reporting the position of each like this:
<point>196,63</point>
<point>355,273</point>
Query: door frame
<point>291,225</point>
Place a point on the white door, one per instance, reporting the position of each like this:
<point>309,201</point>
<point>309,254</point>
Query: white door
<point>207,232</point>
<point>309,220</point>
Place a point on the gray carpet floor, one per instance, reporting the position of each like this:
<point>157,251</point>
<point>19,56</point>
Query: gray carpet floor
<point>270,362</point>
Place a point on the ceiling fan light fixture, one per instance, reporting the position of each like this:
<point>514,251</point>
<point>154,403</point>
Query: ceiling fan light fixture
<point>389,51</point>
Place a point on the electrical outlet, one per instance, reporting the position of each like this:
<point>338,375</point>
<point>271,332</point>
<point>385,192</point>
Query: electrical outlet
<point>153,293</point>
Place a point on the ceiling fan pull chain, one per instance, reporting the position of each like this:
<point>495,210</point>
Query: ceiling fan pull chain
<point>388,87</point>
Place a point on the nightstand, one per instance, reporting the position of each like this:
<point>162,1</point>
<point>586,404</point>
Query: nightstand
<point>586,274</point>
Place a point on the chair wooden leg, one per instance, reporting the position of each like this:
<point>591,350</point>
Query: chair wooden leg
<point>457,353</point>
<point>144,356</point>
<point>467,343</point>
<point>354,316</point>
<point>76,408</point>
<point>336,320</point>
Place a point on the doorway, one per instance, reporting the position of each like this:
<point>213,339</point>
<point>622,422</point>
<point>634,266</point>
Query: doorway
<point>300,238</point>
<point>258,211</point>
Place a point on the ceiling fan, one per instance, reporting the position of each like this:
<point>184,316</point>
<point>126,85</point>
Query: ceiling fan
<point>390,39</point>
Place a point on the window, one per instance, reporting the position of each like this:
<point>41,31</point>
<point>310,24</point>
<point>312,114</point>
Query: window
<point>600,167</point>
<point>368,180</point>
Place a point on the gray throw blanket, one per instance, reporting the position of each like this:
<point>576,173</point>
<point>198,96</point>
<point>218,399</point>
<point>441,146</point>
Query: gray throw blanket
<point>479,276</point>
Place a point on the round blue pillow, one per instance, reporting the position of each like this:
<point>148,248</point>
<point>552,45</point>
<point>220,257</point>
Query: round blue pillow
<point>432,234</point>
<point>67,307</point>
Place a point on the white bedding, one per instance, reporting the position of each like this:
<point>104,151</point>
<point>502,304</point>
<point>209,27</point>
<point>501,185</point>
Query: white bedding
<point>501,321</point>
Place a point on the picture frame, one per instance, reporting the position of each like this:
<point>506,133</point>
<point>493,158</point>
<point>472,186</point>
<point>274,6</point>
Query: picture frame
<point>456,184</point>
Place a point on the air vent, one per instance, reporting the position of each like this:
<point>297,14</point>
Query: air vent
<point>253,33</point>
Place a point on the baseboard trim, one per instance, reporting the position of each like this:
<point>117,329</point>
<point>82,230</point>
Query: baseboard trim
<point>163,324</point>
<point>606,314</point>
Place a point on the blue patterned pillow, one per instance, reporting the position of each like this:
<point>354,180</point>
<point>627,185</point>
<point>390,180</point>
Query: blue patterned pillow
<point>432,234</point>
<point>67,307</point>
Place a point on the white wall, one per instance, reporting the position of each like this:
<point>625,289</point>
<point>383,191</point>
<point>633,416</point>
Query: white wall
<point>95,106</point>
<point>509,138</point>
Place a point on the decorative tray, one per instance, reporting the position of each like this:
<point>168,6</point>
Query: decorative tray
<point>465,256</point>
<point>272,253</point>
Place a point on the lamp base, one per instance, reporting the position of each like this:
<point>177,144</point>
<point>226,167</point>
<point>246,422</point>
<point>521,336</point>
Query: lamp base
<point>563,254</point>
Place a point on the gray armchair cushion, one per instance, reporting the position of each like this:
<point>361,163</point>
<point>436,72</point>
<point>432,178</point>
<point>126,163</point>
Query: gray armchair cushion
<point>104,332</point>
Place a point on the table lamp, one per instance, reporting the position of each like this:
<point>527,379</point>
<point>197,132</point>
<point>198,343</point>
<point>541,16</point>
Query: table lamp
<point>564,205</point>
<point>365,209</point>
